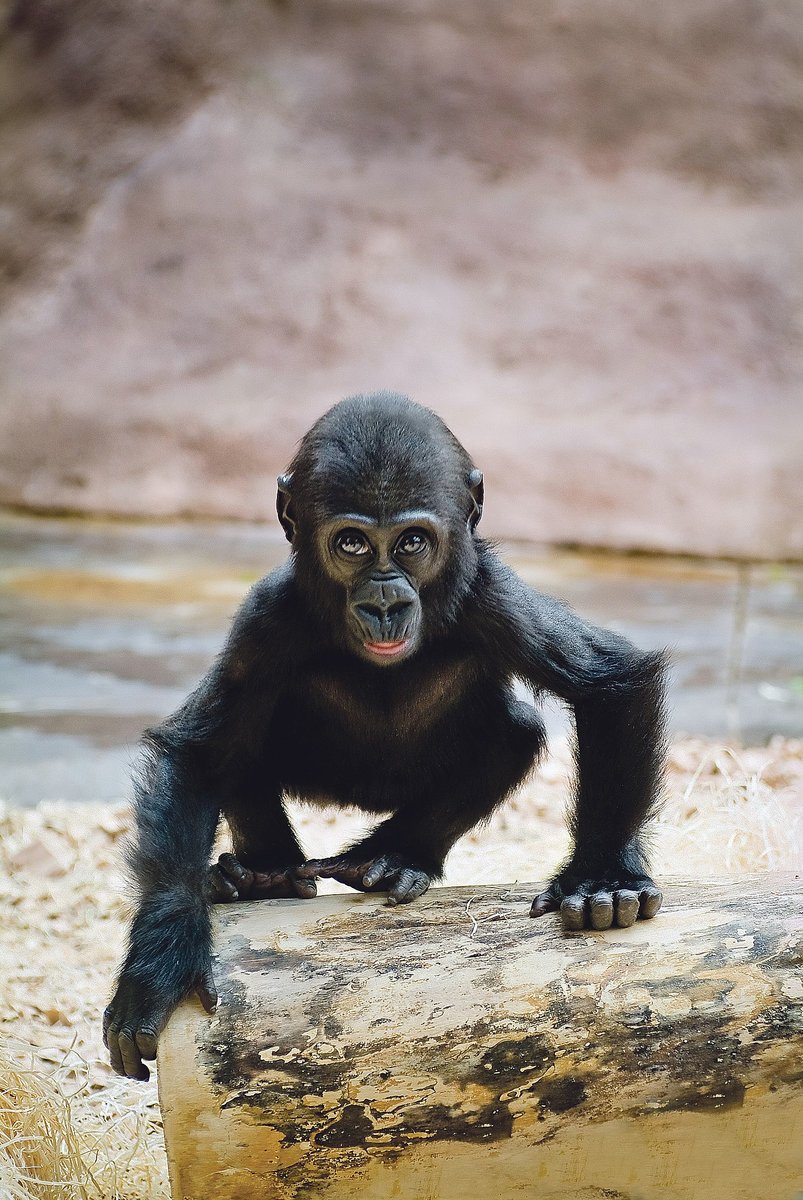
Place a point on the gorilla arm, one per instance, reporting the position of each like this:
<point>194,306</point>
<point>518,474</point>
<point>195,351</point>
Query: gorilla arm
<point>168,954</point>
<point>617,694</point>
<point>191,761</point>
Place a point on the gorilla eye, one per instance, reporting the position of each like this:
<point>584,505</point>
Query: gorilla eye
<point>412,543</point>
<point>352,542</point>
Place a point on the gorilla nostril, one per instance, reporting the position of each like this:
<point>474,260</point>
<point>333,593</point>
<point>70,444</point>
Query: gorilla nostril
<point>381,611</point>
<point>401,606</point>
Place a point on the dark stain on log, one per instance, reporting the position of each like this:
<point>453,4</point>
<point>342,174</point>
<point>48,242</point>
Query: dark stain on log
<point>780,1019</point>
<point>257,1074</point>
<point>728,1093</point>
<point>791,956</point>
<point>352,1127</point>
<point>507,1062</point>
<point>492,1123</point>
<point>254,1082</point>
<point>356,1126</point>
<point>636,1018</point>
<point>240,951</point>
<point>322,1006</point>
<point>560,1095</point>
<point>696,1062</point>
<point>763,945</point>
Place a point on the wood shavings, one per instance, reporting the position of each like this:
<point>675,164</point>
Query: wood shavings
<point>35,858</point>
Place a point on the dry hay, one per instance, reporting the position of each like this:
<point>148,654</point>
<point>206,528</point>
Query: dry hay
<point>69,1128</point>
<point>40,1154</point>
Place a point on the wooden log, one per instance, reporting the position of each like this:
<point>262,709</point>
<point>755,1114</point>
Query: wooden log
<point>457,1050</point>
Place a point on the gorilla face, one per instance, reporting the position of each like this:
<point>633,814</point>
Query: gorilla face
<point>383,568</point>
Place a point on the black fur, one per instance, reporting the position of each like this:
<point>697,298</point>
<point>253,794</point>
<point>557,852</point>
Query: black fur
<point>381,679</point>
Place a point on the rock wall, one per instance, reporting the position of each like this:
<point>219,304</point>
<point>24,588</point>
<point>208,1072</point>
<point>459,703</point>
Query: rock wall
<point>573,230</point>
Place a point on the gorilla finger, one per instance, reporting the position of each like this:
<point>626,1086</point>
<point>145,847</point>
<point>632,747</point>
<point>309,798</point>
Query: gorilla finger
<point>115,1057</point>
<point>340,869</point>
<point>133,1065</point>
<point>146,1041</point>
<point>409,886</point>
<point>626,908</point>
<point>107,1020</point>
<point>220,888</point>
<point>304,888</point>
<point>280,885</point>
<point>573,912</point>
<point>543,903</point>
<point>650,899</point>
<point>600,908</point>
<point>308,870</point>
<point>207,992</point>
<point>376,872</point>
<point>273,886</point>
<point>420,886</point>
<point>235,870</point>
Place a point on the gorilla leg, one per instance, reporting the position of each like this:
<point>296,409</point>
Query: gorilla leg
<point>406,852</point>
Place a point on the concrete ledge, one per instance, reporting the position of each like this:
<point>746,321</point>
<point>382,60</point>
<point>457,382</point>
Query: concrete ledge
<point>458,1049</point>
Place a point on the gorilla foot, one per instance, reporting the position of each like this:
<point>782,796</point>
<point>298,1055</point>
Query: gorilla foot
<point>387,872</point>
<point>228,880</point>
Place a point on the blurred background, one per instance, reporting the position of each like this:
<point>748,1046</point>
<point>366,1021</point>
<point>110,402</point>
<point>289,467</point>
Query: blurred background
<point>574,230</point>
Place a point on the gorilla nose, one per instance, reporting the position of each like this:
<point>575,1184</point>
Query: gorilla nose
<point>383,611</point>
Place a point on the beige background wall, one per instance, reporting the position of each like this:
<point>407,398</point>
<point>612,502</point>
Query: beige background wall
<point>574,230</point>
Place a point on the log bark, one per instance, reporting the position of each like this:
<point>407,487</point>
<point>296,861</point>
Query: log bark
<point>457,1049</point>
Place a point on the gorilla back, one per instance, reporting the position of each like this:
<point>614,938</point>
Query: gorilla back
<point>375,669</point>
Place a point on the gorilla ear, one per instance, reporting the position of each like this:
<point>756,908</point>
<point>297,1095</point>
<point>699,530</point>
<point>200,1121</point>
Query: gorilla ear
<point>284,506</point>
<point>477,489</point>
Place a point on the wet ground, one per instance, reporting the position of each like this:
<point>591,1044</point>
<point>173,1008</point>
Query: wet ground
<point>105,626</point>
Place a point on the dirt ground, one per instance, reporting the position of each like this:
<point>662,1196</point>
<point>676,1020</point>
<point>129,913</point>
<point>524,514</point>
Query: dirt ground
<point>72,1129</point>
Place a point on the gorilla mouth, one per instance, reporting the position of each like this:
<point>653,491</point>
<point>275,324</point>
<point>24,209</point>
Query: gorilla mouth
<point>387,649</point>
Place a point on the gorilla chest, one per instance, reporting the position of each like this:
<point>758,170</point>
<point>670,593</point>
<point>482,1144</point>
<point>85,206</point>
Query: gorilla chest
<point>375,704</point>
<point>368,725</point>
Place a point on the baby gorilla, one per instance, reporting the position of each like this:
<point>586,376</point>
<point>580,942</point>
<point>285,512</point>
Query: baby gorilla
<point>375,668</point>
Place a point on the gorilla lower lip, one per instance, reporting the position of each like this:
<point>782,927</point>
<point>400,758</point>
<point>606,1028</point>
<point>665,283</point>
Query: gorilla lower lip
<point>387,649</point>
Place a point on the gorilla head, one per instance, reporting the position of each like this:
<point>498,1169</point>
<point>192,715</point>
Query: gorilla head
<point>380,505</point>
